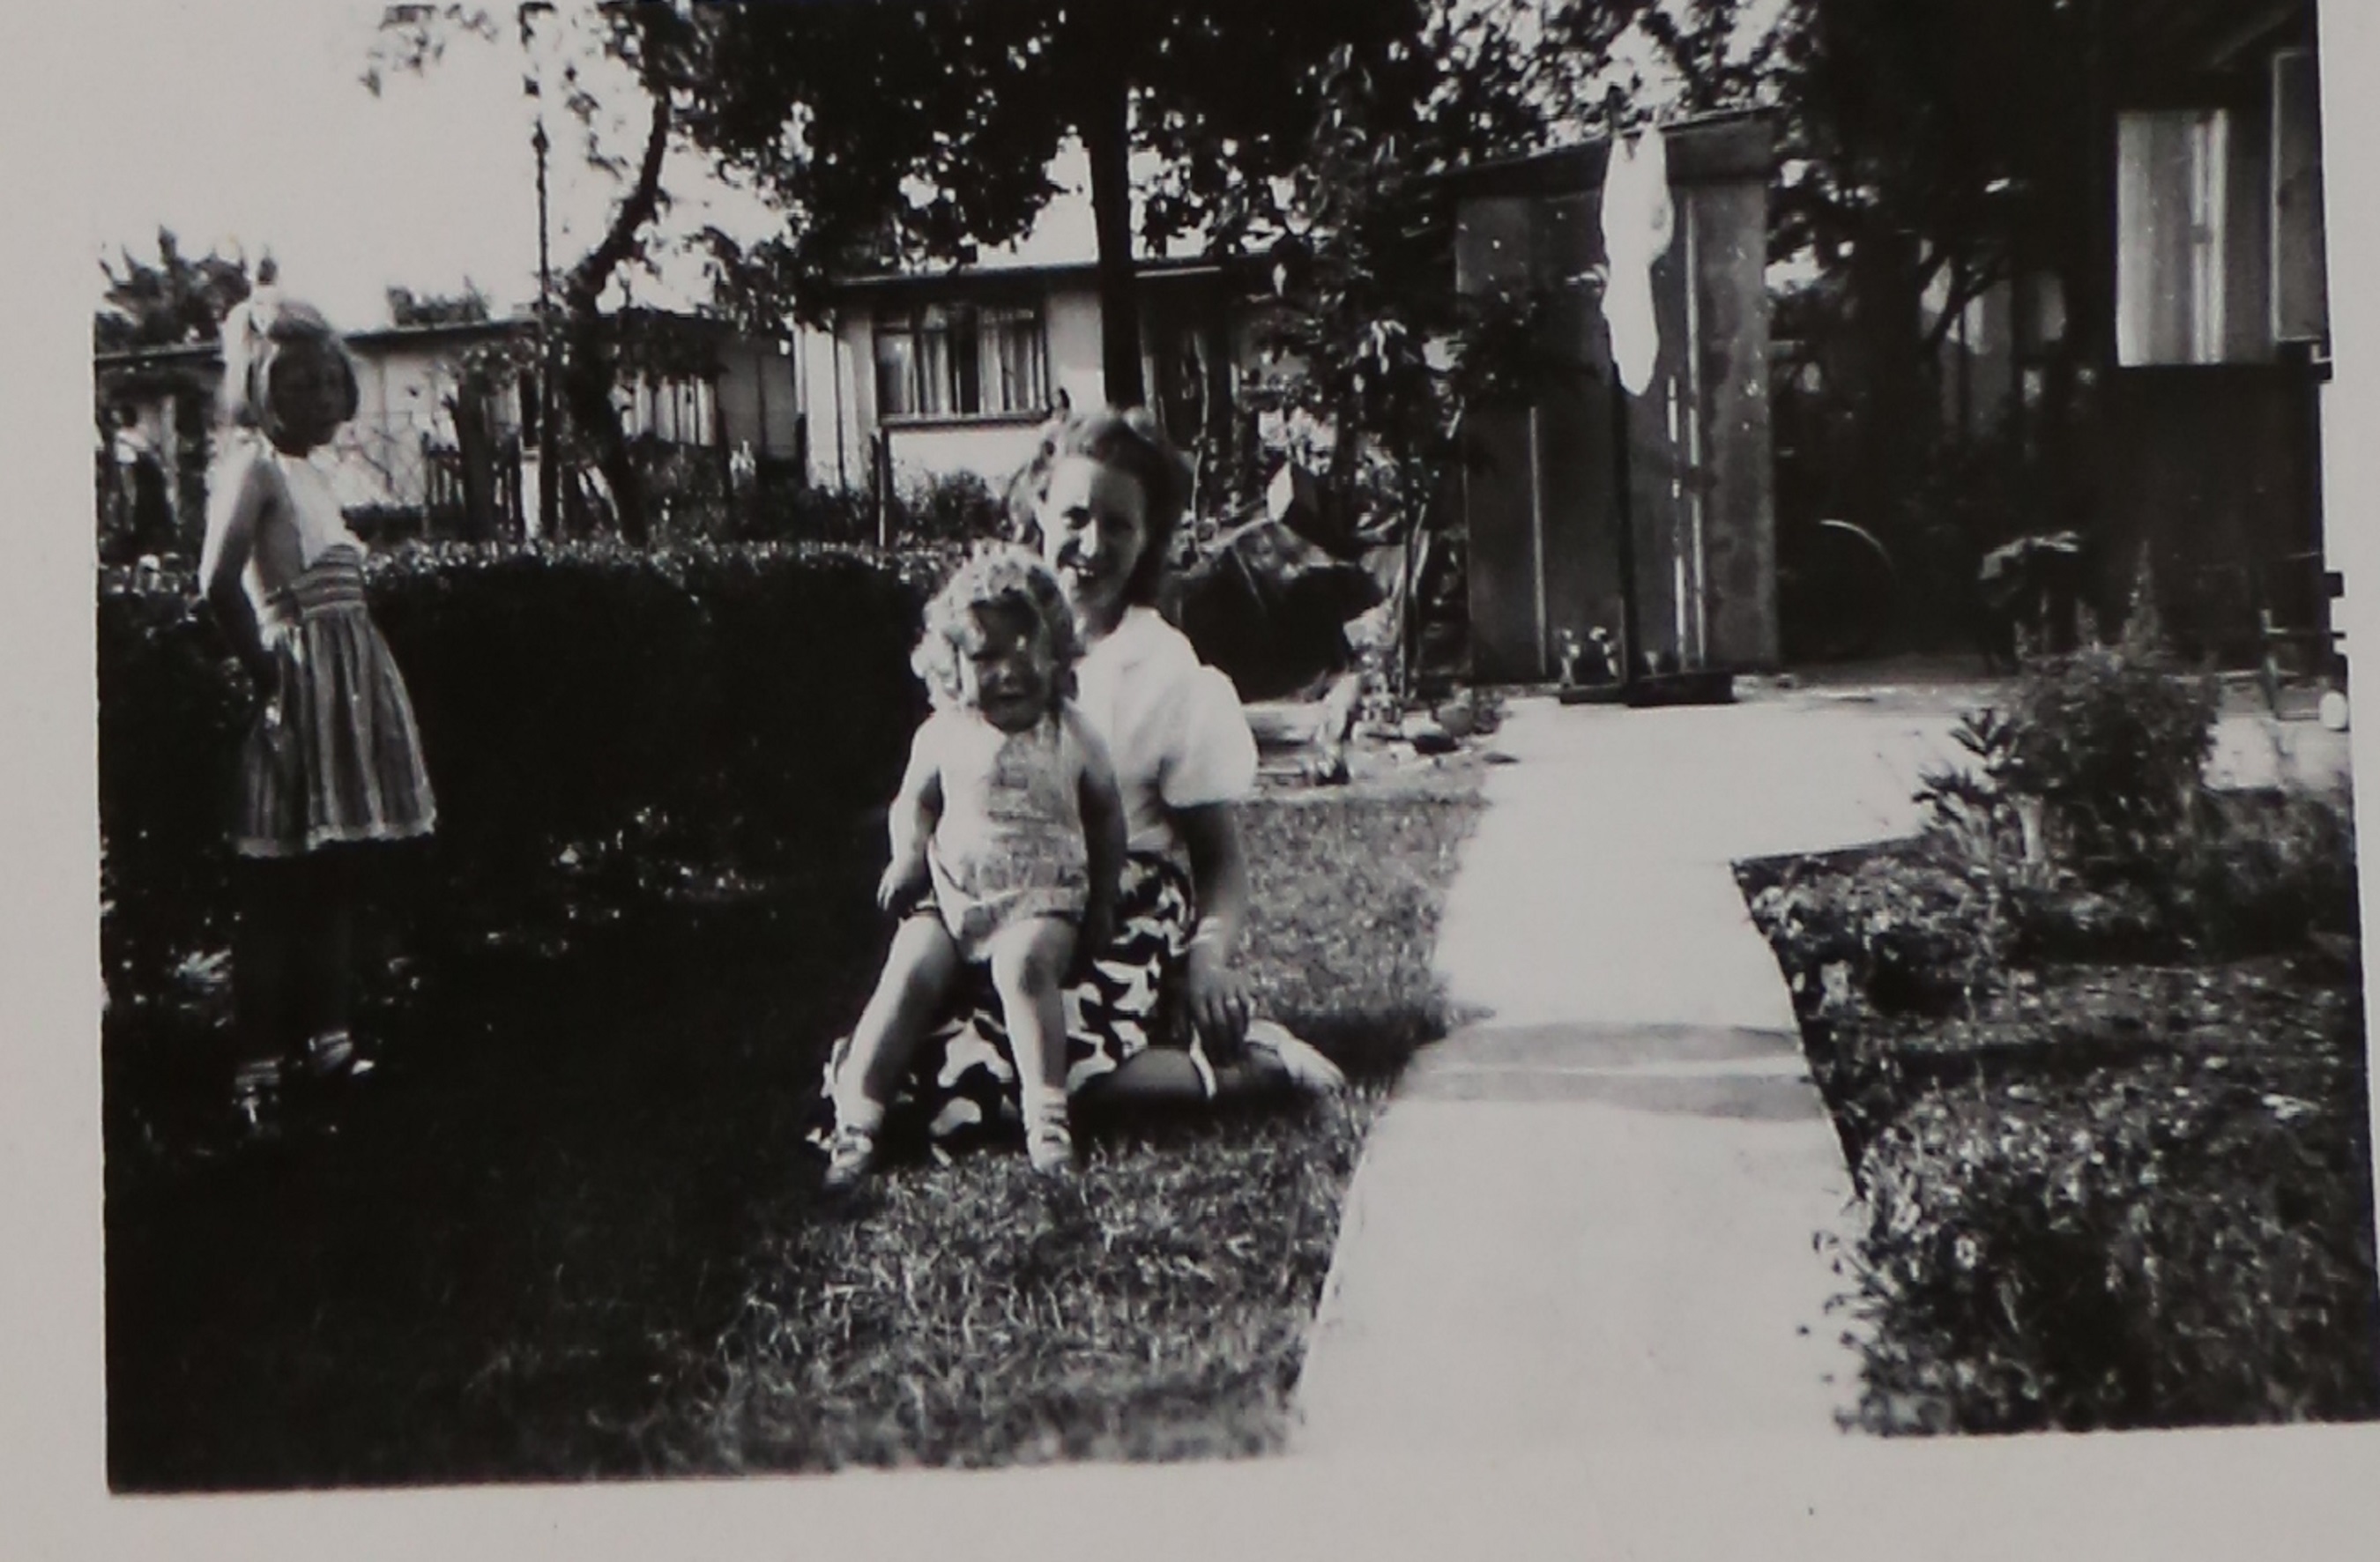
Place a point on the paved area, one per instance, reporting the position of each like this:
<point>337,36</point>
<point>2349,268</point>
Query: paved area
<point>1596,1209</point>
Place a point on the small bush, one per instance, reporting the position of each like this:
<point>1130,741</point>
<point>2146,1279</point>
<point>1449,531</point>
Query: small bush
<point>2161,1248</point>
<point>798,513</point>
<point>2112,745</point>
<point>2265,872</point>
<point>950,507</point>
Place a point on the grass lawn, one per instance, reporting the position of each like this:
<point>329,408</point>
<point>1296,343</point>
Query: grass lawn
<point>2121,1186</point>
<point>574,1232</point>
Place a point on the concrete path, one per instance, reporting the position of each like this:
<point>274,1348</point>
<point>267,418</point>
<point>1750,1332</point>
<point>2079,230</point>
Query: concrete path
<point>1594,1211</point>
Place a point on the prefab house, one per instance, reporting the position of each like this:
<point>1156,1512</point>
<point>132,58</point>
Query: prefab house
<point>924,375</point>
<point>1542,498</point>
<point>689,387</point>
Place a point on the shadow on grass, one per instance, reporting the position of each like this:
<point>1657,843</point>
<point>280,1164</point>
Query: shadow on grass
<point>572,1231</point>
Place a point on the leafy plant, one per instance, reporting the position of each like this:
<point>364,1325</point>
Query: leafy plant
<point>2114,747</point>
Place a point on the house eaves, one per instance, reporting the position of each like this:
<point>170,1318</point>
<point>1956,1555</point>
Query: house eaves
<point>999,276</point>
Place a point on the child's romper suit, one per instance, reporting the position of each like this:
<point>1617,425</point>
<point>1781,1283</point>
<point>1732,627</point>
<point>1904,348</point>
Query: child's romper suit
<point>1009,845</point>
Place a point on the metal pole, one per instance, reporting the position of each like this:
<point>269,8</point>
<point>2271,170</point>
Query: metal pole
<point>548,464</point>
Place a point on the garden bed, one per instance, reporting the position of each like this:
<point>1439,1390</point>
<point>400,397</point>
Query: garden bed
<point>2114,1151</point>
<point>575,1234</point>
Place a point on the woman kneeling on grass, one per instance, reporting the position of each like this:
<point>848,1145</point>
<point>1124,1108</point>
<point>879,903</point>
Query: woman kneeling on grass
<point>1161,1015</point>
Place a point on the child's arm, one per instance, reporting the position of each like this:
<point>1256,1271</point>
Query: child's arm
<point>1104,841</point>
<point>916,807</point>
<point>233,510</point>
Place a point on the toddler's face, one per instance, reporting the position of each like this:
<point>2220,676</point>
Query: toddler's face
<point>1004,669</point>
<point>306,394</point>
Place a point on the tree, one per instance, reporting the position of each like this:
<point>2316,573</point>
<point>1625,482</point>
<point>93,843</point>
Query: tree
<point>1941,147</point>
<point>177,300</point>
<point>662,47</point>
<point>467,307</point>
<point>904,131</point>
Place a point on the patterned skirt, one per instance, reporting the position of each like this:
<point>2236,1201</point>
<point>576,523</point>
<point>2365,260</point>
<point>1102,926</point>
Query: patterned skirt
<point>334,755</point>
<point>962,1080</point>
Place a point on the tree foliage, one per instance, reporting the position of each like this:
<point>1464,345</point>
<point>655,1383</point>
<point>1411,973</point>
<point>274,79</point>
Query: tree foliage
<point>177,300</point>
<point>468,308</point>
<point>909,132</point>
<point>662,45</point>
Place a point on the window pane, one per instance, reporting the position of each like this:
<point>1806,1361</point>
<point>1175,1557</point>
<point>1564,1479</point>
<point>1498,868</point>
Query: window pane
<point>2170,217</point>
<point>2300,287</point>
<point>896,372</point>
<point>1014,374</point>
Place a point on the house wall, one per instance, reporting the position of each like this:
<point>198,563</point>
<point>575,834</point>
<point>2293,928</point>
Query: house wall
<point>842,376</point>
<point>760,398</point>
<point>2210,472</point>
<point>1072,317</point>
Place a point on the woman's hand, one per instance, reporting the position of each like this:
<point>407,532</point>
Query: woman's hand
<point>904,884</point>
<point>1217,1001</point>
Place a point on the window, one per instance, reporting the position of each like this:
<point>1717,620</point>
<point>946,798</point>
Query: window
<point>2300,287</point>
<point>955,360</point>
<point>2172,222</point>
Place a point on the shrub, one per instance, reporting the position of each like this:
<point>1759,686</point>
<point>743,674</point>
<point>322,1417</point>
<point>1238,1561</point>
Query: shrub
<point>2183,1259</point>
<point>950,507</point>
<point>2112,745</point>
<point>2263,872</point>
<point>715,702</point>
<point>793,513</point>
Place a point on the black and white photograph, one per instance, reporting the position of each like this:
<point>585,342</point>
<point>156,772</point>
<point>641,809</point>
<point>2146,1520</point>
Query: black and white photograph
<point>1651,699</point>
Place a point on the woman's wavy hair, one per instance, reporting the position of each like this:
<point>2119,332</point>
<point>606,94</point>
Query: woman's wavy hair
<point>255,333</point>
<point>998,577</point>
<point>1130,442</point>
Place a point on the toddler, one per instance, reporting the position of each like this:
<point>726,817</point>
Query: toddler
<point>1007,840</point>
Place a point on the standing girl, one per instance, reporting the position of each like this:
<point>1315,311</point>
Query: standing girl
<point>1007,837</point>
<point>332,759</point>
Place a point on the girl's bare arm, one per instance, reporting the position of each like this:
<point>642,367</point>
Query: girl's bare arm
<point>234,508</point>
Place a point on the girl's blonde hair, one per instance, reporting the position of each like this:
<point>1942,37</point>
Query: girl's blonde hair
<point>255,333</point>
<point>1130,442</point>
<point>1002,577</point>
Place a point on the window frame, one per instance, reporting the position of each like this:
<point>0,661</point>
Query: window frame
<point>969,373</point>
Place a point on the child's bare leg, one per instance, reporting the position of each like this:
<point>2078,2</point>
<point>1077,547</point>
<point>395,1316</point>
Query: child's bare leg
<point>263,980</point>
<point>326,956</point>
<point>917,972</point>
<point>1028,973</point>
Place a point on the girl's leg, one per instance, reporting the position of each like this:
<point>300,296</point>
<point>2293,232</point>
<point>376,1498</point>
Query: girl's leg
<point>327,960</point>
<point>265,979</point>
<point>1028,965</point>
<point>917,972</point>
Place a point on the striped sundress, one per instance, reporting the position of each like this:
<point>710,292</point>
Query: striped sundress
<point>333,755</point>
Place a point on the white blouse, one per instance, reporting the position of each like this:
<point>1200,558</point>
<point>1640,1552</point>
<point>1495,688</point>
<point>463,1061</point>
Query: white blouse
<point>1174,726</point>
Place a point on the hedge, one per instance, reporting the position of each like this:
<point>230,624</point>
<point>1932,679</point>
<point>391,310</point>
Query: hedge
<point>728,704</point>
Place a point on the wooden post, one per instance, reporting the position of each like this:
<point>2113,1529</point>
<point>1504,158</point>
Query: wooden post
<point>1625,536</point>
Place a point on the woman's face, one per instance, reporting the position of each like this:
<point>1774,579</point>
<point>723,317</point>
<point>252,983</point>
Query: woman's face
<point>1004,670</point>
<point>1094,528</point>
<point>306,394</point>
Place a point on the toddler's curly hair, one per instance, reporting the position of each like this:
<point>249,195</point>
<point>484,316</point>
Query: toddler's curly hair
<point>998,577</point>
